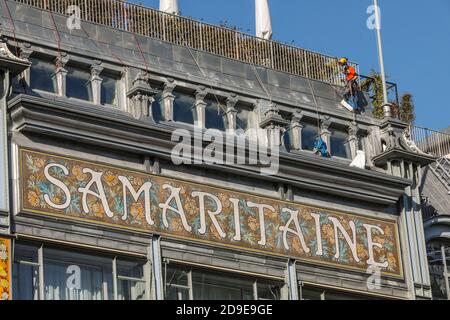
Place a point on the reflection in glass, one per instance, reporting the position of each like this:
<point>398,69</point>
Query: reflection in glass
<point>339,144</point>
<point>183,108</point>
<point>309,133</point>
<point>42,75</point>
<point>109,90</point>
<point>78,84</point>
<point>156,108</point>
<point>214,115</point>
<point>211,286</point>
<point>176,280</point>
<point>131,282</point>
<point>25,273</point>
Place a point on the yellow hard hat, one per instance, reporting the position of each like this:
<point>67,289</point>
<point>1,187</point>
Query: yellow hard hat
<point>343,61</point>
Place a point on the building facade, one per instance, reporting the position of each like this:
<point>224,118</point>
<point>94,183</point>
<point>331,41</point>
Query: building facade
<point>94,205</point>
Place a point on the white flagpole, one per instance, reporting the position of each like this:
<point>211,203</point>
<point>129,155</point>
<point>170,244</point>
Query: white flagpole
<point>387,109</point>
<point>169,6</point>
<point>263,20</point>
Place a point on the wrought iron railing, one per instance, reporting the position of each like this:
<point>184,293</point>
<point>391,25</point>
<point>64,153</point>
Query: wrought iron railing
<point>430,141</point>
<point>198,35</point>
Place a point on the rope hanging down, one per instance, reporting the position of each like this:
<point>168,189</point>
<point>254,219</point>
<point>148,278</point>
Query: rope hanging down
<point>13,25</point>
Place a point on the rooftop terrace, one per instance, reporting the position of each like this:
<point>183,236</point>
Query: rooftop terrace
<point>198,35</point>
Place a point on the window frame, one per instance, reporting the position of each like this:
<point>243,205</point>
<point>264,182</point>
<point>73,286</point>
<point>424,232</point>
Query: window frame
<point>112,258</point>
<point>254,279</point>
<point>49,60</point>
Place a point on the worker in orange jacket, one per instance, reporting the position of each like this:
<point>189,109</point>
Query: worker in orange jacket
<point>351,78</point>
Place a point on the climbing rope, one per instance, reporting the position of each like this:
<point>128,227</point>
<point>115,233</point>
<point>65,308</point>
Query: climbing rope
<point>13,25</point>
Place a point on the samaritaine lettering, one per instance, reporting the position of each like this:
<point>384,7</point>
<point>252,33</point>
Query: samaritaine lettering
<point>77,189</point>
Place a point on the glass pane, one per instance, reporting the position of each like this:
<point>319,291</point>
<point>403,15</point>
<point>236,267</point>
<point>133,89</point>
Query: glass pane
<point>214,116</point>
<point>243,119</point>
<point>309,133</point>
<point>183,108</point>
<point>212,286</point>
<point>42,75</point>
<point>269,291</point>
<point>76,276</point>
<point>128,289</point>
<point>108,90</point>
<point>176,293</point>
<point>176,282</point>
<point>312,293</point>
<point>339,144</point>
<point>78,84</point>
<point>25,277</point>
<point>157,112</point>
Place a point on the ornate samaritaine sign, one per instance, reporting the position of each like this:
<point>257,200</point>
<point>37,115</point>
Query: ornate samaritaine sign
<point>102,194</point>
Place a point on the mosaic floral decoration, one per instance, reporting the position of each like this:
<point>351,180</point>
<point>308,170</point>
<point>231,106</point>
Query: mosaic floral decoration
<point>5,274</point>
<point>117,197</point>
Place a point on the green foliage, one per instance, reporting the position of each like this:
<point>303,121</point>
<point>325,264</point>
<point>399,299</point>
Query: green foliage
<point>374,88</point>
<point>406,109</point>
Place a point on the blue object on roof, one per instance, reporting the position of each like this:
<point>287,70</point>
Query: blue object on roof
<point>321,147</point>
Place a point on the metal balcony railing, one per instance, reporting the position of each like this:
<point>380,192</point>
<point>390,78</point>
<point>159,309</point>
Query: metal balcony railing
<point>197,35</point>
<point>430,141</point>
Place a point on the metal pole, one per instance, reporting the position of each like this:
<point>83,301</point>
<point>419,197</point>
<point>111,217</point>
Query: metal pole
<point>387,109</point>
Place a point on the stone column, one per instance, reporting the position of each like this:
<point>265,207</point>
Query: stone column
<point>353,139</point>
<point>325,133</point>
<point>274,124</point>
<point>141,96</point>
<point>10,66</point>
<point>231,114</point>
<point>167,99</point>
<point>96,81</point>
<point>296,129</point>
<point>200,106</point>
<point>61,74</point>
<point>25,53</point>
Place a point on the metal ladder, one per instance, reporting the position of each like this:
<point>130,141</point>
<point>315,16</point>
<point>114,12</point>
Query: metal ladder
<point>442,170</point>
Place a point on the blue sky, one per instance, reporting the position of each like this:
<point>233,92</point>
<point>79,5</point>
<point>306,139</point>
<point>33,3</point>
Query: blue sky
<point>416,39</point>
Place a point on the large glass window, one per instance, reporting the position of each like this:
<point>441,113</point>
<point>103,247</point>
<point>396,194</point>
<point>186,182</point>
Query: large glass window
<point>157,109</point>
<point>42,75</point>
<point>25,273</point>
<point>339,144</point>
<point>215,117</point>
<point>184,108</point>
<point>78,83</point>
<point>183,283</point>
<point>314,293</point>
<point>309,134</point>
<point>130,280</point>
<point>109,89</point>
<point>74,275</point>
<point>244,119</point>
<point>439,260</point>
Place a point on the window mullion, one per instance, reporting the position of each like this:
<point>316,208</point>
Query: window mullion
<point>41,272</point>
<point>444,262</point>
<point>191,289</point>
<point>114,273</point>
